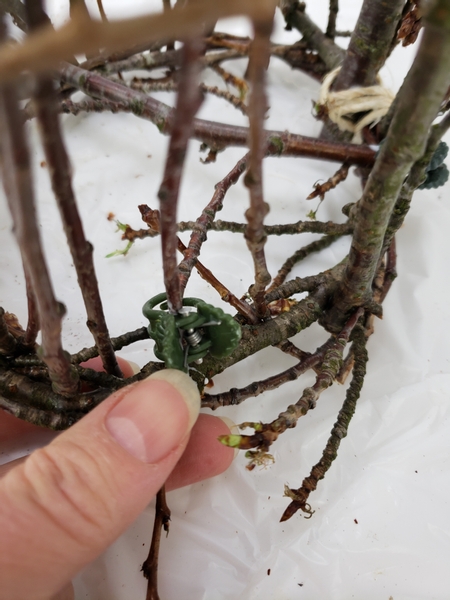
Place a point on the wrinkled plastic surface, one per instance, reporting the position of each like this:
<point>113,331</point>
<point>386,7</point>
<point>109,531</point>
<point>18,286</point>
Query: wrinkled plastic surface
<point>381,526</point>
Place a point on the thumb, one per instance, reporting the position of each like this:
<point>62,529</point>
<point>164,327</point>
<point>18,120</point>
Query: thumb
<point>70,500</point>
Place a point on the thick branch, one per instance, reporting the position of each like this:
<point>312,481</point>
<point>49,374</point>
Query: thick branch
<point>370,43</point>
<point>418,104</point>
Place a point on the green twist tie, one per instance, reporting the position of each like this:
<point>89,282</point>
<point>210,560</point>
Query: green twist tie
<point>190,335</point>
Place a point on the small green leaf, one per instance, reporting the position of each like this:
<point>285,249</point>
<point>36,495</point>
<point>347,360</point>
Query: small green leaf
<point>123,252</point>
<point>233,441</point>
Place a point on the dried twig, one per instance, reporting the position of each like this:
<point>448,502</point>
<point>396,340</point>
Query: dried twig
<point>59,169</point>
<point>19,191</point>
<point>332,16</point>
<point>320,189</point>
<point>236,396</point>
<point>301,254</point>
<point>300,496</point>
<point>150,566</point>
<point>266,433</point>
<point>254,232</point>
<point>151,217</point>
<point>188,102</point>
<point>206,219</point>
<point>215,135</point>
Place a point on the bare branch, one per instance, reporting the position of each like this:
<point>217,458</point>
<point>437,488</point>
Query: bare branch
<point>254,232</point>
<point>188,102</point>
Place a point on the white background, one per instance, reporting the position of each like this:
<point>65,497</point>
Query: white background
<point>392,472</point>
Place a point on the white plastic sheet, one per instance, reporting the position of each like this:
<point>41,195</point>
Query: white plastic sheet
<point>381,525</point>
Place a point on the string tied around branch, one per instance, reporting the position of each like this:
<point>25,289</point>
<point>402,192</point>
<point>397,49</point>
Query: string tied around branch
<point>355,108</point>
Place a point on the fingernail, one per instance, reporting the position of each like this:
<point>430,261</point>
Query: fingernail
<point>234,429</point>
<point>155,415</point>
<point>134,367</point>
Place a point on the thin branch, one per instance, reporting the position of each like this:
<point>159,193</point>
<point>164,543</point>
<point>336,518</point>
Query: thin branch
<point>19,191</point>
<point>326,227</point>
<point>332,17</point>
<point>102,11</point>
<point>151,217</point>
<point>298,256</point>
<point>320,189</point>
<point>236,396</point>
<point>150,566</point>
<point>188,102</point>
<point>43,50</point>
<point>254,232</point>
<point>329,228</point>
<point>206,219</point>
<point>33,315</point>
<point>59,169</point>
<point>270,333</point>
<point>295,16</point>
<point>300,496</point>
<point>215,135</point>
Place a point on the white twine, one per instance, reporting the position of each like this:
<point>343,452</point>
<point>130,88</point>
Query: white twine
<point>341,106</point>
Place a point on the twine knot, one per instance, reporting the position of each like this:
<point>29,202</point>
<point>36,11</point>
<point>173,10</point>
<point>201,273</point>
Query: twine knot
<point>342,107</point>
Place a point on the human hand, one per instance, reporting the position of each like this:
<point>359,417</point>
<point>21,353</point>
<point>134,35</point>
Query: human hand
<point>67,502</point>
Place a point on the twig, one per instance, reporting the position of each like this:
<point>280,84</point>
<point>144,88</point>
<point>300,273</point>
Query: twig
<point>151,217</point>
<point>206,221</point>
<point>300,285</point>
<point>215,135</point>
<point>298,256</point>
<point>226,95</point>
<point>240,84</point>
<point>102,11</point>
<point>332,16</point>
<point>236,396</point>
<point>33,315</point>
<point>59,169</point>
<point>266,433</point>
<point>328,227</point>
<point>150,566</point>
<point>300,496</point>
<point>320,189</point>
<point>188,102</point>
<point>19,191</point>
<point>254,232</point>
<point>295,16</point>
<point>44,50</point>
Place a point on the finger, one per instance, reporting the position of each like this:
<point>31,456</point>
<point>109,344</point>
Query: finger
<point>69,501</point>
<point>204,456</point>
<point>128,368</point>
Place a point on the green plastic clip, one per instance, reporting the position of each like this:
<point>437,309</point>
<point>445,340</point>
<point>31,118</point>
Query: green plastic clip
<point>191,334</point>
